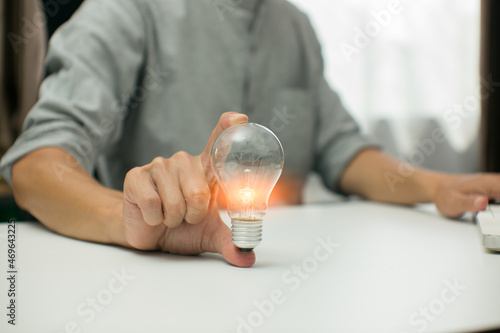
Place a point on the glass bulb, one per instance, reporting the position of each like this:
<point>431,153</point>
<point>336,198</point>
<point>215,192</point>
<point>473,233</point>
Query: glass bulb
<point>247,161</point>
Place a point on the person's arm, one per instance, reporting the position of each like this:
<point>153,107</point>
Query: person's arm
<point>379,177</point>
<point>166,205</point>
<point>54,188</point>
<point>79,116</point>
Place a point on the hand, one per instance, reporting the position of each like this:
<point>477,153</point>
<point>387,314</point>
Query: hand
<point>171,204</point>
<point>466,193</point>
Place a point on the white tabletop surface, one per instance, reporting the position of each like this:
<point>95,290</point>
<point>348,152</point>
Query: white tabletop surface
<point>387,269</point>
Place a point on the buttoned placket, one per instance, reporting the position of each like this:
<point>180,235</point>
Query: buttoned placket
<point>248,105</point>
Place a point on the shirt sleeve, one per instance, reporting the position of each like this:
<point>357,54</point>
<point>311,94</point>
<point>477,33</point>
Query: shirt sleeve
<point>92,68</point>
<point>338,139</point>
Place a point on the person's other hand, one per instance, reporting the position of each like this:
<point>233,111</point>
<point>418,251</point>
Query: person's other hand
<point>171,204</point>
<point>458,194</point>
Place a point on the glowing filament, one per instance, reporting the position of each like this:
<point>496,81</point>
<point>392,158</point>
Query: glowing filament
<point>247,195</point>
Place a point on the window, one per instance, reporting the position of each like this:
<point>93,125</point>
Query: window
<point>403,68</point>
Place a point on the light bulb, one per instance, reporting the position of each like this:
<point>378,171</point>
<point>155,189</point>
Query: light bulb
<point>247,161</point>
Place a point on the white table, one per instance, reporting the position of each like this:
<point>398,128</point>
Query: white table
<point>391,269</point>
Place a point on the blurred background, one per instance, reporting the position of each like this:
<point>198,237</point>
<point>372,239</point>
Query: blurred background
<point>414,67</point>
<point>405,69</point>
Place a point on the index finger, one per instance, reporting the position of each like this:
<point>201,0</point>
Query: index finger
<point>226,120</point>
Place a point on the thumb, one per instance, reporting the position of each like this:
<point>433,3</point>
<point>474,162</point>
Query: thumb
<point>219,241</point>
<point>480,203</point>
<point>465,203</point>
<point>226,120</point>
<point>231,253</point>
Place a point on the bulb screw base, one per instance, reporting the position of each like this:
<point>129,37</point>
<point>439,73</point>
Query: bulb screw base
<point>247,234</point>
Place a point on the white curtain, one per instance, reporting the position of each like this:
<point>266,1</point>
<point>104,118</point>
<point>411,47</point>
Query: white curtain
<point>404,68</point>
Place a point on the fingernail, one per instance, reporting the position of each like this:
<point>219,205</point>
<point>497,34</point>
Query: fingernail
<point>476,203</point>
<point>237,120</point>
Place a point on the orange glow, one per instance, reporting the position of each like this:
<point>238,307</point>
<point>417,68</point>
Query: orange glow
<point>247,195</point>
<point>288,191</point>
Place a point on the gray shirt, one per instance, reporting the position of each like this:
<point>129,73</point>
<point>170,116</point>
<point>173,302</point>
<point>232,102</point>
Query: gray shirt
<point>129,80</point>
